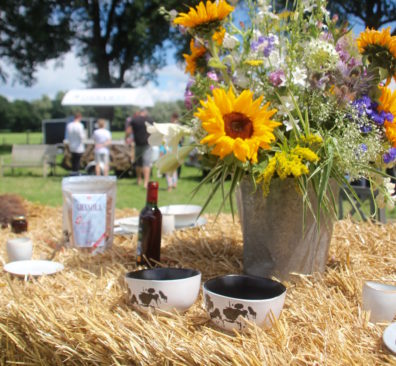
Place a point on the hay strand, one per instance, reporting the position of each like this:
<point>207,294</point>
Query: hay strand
<point>81,316</point>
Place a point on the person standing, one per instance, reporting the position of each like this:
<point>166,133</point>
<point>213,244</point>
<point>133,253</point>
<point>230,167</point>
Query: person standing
<point>75,135</point>
<point>142,147</point>
<point>172,177</point>
<point>102,139</point>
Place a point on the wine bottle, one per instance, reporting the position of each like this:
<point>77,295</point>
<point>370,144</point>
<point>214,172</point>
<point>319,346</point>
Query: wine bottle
<point>149,235</point>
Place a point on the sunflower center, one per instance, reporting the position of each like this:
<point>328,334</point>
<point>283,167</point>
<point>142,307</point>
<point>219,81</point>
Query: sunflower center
<point>238,125</point>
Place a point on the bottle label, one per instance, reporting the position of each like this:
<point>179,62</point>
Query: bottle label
<point>89,219</point>
<point>139,242</point>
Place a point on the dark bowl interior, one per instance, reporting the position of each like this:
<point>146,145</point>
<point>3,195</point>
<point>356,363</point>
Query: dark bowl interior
<point>163,274</point>
<point>245,287</point>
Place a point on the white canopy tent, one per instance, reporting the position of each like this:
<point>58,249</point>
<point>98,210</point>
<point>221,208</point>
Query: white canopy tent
<point>108,97</point>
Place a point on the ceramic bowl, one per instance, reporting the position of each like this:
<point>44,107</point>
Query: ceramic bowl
<point>232,299</point>
<point>185,215</point>
<point>166,289</point>
<point>380,300</point>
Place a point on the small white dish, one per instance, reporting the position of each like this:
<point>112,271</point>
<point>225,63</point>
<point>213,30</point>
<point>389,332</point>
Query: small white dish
<point>128,230</point>
<point>33,267</point>
<point>389,337</point>
<point>128,224</point>
<point>185,215</point>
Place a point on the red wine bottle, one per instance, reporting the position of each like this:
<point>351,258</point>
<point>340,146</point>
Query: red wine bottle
<point>150,223</point>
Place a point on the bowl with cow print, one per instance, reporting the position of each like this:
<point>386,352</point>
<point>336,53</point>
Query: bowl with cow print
<point>167,289</point>
<point>232,300</point>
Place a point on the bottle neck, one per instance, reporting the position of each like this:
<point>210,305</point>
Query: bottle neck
<point>152,194</point>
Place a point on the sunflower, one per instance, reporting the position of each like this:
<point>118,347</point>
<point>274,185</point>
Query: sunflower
<point>219,36</point>
<point>236,125</point>
<point>212,12</point>
<point>194,60</point>
<point>387,103</point>
<point>380,47</point>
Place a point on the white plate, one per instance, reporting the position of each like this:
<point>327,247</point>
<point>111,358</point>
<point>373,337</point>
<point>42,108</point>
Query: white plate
<point>33,267</point>
<point>389,337</point>
<point>128,222</point>
<point>124,230</point>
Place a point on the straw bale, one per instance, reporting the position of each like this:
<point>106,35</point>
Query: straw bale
<point>81,316</point>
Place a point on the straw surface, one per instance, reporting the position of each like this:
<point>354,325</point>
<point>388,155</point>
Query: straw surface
<point>81,315</point>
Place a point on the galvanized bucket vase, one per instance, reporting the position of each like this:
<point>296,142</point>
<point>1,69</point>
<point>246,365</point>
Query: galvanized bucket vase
<point>276,242</point>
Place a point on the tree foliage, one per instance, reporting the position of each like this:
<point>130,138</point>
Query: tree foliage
<point>120,42</point>
<point>21,115</point>
<point>32,32</point>
<point>372,13</point>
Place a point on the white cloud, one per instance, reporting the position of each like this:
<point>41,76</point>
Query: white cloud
<point>51,78</point>
<point>70,75</point>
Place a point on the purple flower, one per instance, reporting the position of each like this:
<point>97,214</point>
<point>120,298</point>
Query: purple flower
<point>277,77</point>
<point>390,155</point>
<point>366,128</point>
<point>212,76</point>
<point>389,117</point>
<point>188,94</point>
<point>362,105</point>
<point>266,44</point>
<point>363,147</point>
<point>378,118</point>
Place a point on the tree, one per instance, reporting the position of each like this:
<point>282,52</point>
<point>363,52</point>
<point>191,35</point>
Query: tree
<point>119,41</point>
<point>32,32</point>
<point>373,13</point>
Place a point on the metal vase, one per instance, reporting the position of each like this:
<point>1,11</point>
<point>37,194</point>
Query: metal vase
<point>276,241</point>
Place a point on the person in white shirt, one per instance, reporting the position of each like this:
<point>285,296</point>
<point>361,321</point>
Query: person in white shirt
<point>75,135</point>
<point>102,139</point>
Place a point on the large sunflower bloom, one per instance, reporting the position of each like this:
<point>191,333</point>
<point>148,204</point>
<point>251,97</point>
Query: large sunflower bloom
<point>380,47</point>
<point>204,14</point>
<point>193,60</point>
<point>236,125</point>
<point>387,103</point>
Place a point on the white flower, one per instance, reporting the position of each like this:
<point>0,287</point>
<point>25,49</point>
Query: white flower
<point>171,160</point>
<point>289,125</point>
<point>241,79</point>
<point>286,106</point>
<point>230,42</point>
<point>173,14</point>
<point>321,56</point>
<point>299,76</point>
<point>386,198</point>
<point>169,134</point>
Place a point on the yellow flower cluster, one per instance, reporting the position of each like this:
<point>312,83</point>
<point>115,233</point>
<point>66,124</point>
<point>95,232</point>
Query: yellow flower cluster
<point>287,164</point>
<point>311,140</point>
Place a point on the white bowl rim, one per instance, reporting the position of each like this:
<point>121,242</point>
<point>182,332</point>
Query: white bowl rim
<point>19,240</point>
<point>194,209</point>
<point>381,287</point>
<point>142,280</point>
<point>256,301</point>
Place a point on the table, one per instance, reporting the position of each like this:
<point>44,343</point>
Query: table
<point>82,316</point>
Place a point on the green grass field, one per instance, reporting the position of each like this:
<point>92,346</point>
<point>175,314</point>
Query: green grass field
<point>29,183</point>
<point>22,138</point>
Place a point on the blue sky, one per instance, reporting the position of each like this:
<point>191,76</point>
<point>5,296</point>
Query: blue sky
<point>55,76</point>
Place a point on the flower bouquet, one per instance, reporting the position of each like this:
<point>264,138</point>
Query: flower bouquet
<point>289,96</point>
